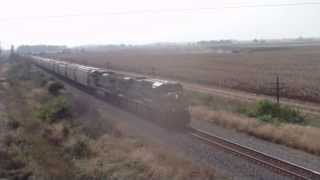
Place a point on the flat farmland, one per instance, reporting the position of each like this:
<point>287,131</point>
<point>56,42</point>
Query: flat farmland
<point>252,70</point>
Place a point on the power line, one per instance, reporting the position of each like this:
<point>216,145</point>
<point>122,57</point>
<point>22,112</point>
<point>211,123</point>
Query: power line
<point>160,11</point>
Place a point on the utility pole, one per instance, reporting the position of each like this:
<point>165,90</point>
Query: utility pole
<point>12,50</point>
<point>108,65</point>
<point>278,90</point>
<point>153,71</point>
<point>0,49</point>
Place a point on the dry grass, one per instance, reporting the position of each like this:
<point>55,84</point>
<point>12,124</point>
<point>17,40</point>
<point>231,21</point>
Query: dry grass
<point>296,136</point>
<point>127,158</point>
<point>250,71</point>
<point>40,151</point>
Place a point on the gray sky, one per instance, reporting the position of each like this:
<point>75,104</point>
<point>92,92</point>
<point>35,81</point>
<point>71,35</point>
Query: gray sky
<point>26,22</point>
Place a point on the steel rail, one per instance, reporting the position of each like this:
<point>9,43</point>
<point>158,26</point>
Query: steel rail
<point>272,163</point>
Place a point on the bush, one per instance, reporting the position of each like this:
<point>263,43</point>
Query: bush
<point>56,109</point>
<point>79,149</point>
<point>13,124</point>
<point>54,88</point>
<point>250,112</point>
<point>291,115</point>
<point>19,70</point>
<point>268,111</point>
<point>208,100</point>
<point>40,79</point>
<point>266,107</point>
<point>8,140</point>
<point>265,118</point>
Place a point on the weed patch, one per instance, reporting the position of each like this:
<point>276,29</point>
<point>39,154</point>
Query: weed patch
<point>267,111</point>
<point>79,148</point>
<point>214,102</point>
<point>57,108</point>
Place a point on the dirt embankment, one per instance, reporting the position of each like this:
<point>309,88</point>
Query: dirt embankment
<point>44,137</point>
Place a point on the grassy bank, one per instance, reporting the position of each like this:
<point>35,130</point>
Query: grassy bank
<point>265,120</point>
<point>44,137</point>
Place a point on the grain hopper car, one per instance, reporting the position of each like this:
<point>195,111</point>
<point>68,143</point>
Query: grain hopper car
<point>156,100</point>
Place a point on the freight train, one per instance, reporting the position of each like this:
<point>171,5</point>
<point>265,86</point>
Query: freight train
<point>156,100</point>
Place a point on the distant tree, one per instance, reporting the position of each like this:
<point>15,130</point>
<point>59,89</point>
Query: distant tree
<point>0,49</point>
<point>12,56</point>
<point>12,50</point>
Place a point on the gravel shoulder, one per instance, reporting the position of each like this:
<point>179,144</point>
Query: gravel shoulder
<point>295,156</point>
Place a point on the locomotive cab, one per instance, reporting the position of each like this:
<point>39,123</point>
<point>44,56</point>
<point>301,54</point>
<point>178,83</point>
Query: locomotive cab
<point>169,97</point>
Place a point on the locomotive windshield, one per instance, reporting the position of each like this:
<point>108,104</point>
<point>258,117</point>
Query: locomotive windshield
<point>169,88</point>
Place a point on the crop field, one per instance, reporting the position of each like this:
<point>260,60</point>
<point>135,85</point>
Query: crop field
<point>250,69</point>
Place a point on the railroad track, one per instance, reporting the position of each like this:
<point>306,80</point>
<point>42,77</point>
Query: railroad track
<point>274,164</point>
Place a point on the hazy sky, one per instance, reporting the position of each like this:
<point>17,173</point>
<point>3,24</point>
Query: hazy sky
<point>130,21</point>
